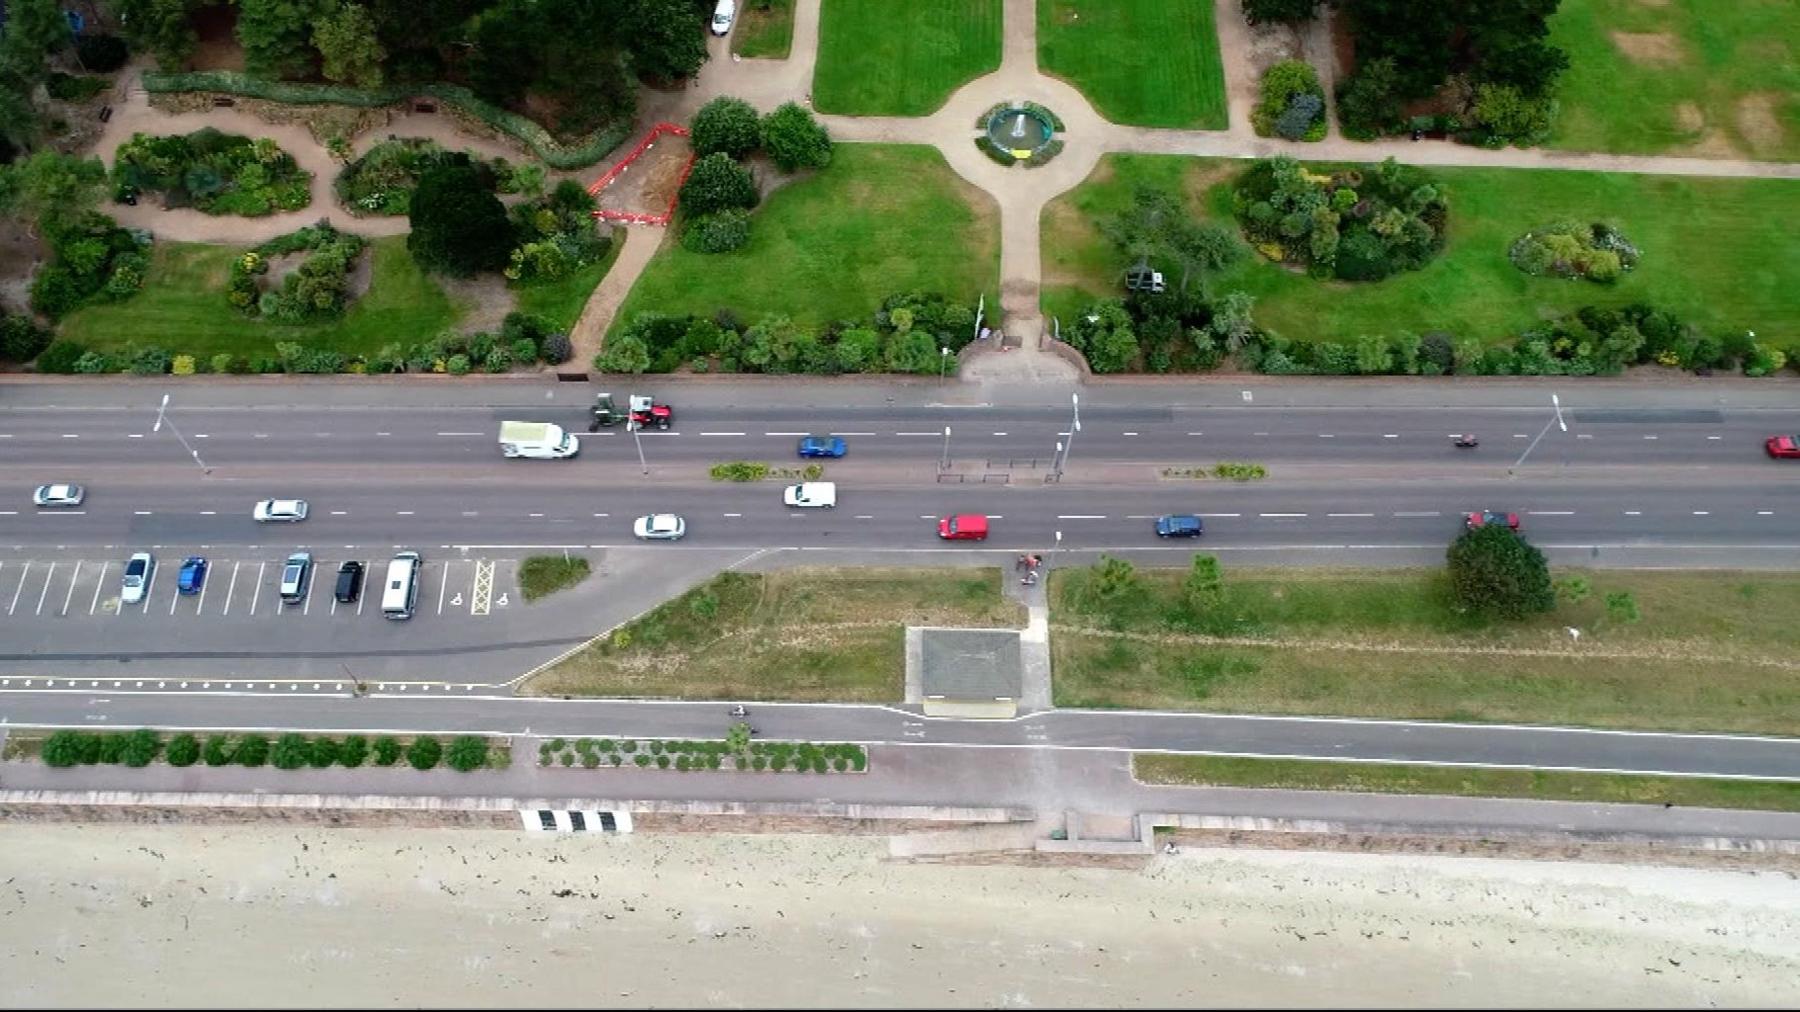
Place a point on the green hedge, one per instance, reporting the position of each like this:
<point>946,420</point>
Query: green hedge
<point>585,152</point>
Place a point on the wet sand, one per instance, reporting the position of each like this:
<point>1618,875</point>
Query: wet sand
<point>232,916</point>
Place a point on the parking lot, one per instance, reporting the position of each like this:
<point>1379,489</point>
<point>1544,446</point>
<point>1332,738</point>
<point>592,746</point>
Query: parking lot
<point>242,589</point>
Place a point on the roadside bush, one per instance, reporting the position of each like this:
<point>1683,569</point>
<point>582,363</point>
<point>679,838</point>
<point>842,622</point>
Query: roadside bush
<point>387,750</point>
<point>21,339</point>
<point>62,749</point>
<point>739,470</point>
<point>467,752</point>
<point>92,260</point>
<point>150,361</point>
<point>74,88</point>
<point>424,752</point>
<point>139,748</point>
<point>183,750</point>
<point>457,224</point>
<point>252,750</point>
<point>457,365</point>
<point>184,365</point>
<point>794,139</point>
<point>219,750</point>
<point>1291,103</point>
<point>723,231</point>
<point>60,357</point>
<point>324,752</point>
<point>354,751</point>
<point>557,235</point>
<point>623,354</point>
<point>716,183</point>
<point>213,172</point>
<point>1495,572</point>
<point>291,751</point>
<point>725,124</point>
<point>556,348</point>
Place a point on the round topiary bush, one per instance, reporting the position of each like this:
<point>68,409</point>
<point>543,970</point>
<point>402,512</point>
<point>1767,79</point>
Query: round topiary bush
<point>722,231</point>
<point>424,752</point>
<point>182,750</point>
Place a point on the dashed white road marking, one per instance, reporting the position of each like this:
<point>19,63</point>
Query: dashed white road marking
<point>1703,513</point>
<point>1349,514</point>
<point>937,433</point>
<point>1765,513</point>
<point>1584,435</point>
<point>1196,433</point>
<point>1128,433</point>
<point>1634,513</point>
<point>863,433</point>
<point>734,514</point>
<point>1715,437</point>
<point>784,433</point>
<point>339,513</point>
<point>1219,514</point>
<point>1390,435</point>
<point>1414,514</point>
<point>462,433</point>
<point>1649,437</point>
<point>1081,516</point>
<point>141,513</point>
<point>1550,513</point>
<point>403,513</point>
<point>1281,516</point>
<point>1327,435</point>
<point>865,516</point>
<point>1002,433</point>
<point>721,433</point>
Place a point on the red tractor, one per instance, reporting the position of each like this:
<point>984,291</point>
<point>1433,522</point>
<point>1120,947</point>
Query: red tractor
<point>644,412</point>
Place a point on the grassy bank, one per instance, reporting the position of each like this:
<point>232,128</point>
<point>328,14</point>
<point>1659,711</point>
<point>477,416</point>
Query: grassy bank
<point>1712,651</point>
<point>1465,782</point>
<point>543,575</point>
<point>764,30</point>
<point>1716,251</point>
<point>1140,62</point>
<point>801,634</point>
<point>183,308</point>
<point>561,301</point>
<point>902,59</point>
<point>881,219</point>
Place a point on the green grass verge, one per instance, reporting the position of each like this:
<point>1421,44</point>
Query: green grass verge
<point>801,634</point>
<point>1717,251</point>
<point>543,575</point>
<point>1466,782</point>
<point>881,219</point>
<point>1718,79</point>
<point>765,32</point>
<point>1141,62</point>
<point>183,309</point>
<point>562,301</point>
<point>902,59</point>
<point>1713,651</point>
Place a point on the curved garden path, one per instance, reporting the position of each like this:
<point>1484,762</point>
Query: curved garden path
<point>1019,193</point>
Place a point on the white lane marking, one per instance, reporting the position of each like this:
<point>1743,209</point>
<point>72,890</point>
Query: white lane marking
<point>306,602</point>
<point>861,433</point>
<point>1281,516</point>
<point>1327,435</point>
<point>362,592</point>
<point>1196,433</point>
<point>175,598</point>
<point>721,433</point>
<point>462,433</point>
<point>534,514</point>
<point>209,513</point>
<point>98,584</point>
<point>784,433</point>
<point>1765,513</point>
<point>384,433</point>
<point>51,575</point>
<point>1081,516</point>
<point>200,605</point>
<point>70,596</point>
<point>1702,513</point>
<point>1584,435</point>
<point>403,513</point>
<point>603,514</point>
<point>471,513</point>
<point>9,513</point>
<point>1550,513</point>
<point>1715,437</point>
<point>1128,433</point>
<point>71,435</point>
<point>865,516</point>
<point>256,590</point>
<point>1349,514</point>
<point>1218,514</point>
<point>937,433</point>
<point>1634,513</point>
<point>1419,513</point>
<point>259,435</point>
<point>141,513</point>
<point>1259,433</point>
<point>1002,433</point>
<point>734,514</point>
<point>339,513</point>
<point>134,435</point>
<point>1649,437</point>
<point>995,516</point>
<point>443,583</point>
<point>150,588</point>
<point>201,435</point>
<point>926,516</point>
<point>1141,516</point>
<point>1390,435</point>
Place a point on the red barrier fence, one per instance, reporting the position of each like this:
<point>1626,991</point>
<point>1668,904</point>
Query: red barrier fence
<point>638,217</point>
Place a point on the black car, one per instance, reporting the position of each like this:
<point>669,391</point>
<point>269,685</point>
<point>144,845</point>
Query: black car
<point>349,582</point>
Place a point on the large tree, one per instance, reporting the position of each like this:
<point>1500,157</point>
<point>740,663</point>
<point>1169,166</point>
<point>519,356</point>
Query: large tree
<point>346,40</point>
<point>665,38</point>
<point>458,225</point>
<point>50,188</point>
<point>725,124</point>
<point>276,35</point>
<point>1158,226</point>
<point>34,28</point>
<point>794,139</point>
<point>716,183</point>
<point>161,27</point>
<point>1495,572</point>
<point>1259,12</point>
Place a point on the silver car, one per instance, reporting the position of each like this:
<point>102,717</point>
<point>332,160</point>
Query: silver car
<point>140,569</point>
<point>280,511</point>
<point>660,527</point>
<point>295,576</point>
<point>51,496</point>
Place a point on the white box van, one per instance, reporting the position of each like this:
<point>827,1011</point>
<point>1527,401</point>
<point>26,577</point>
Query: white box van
<point>400,592</point>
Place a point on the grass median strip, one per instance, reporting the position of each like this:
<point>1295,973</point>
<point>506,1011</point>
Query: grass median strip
<point>542,575</point>
<point>1465,782</point>
<point>800,634</point>
<point>1712,651</point>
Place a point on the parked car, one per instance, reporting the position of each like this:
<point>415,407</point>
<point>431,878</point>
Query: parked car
<point>811,495</point>
<point>1778,446</point>
<point>724,13</point>
<point>822,446</point>
<point>660,527</point>
<point>53,496</point>
<point>280,511</point>
<point>1491,518</point>
<point>963,527</point>
<point>1179,525</point>
<point>295,575</point>
<point>139,570</point>
<point>192,576</point>
<point>349,582</point>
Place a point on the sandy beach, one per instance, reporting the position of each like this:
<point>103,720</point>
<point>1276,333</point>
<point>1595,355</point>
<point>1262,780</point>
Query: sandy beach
<point>255,916</point>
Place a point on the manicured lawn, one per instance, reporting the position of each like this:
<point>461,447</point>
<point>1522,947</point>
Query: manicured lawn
<point>765,28</point>
<point>799,634</point>
<point>1141,62</point>
<point>1718,251</point>
<point>902,59</point>
<point>542,575</point>
<point>1713,651</point>
<point>1724,77</point>
<point>881,219</point>
<point>183,309</point>
<point>1539,785</point>
<point>561,301</point>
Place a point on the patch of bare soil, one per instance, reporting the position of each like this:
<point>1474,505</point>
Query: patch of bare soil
<point>485,297</point>
<point>1759,121</point>
<point>1649,47</point>
<point>1271,43</point>
<point>20,255</point>
<point>648,184</point>
<point>218,49</point>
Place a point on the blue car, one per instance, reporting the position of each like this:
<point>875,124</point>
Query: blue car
<point>193,575</point>
<point>822,446</point>
<point>1179,525</point>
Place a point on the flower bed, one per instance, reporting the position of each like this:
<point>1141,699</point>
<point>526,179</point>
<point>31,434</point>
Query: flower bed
<point>317,289</point>
<point>213,172</point>
<point>688,756</point>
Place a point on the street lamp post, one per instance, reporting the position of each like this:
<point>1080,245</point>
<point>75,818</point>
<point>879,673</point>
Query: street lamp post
<point>639,440</point>
<point>943,360</point>
<point>1074,427</point>
<point>944,461</point>
<point>1055,552</point>
<point>1555,419</point>
<point>161,417</point>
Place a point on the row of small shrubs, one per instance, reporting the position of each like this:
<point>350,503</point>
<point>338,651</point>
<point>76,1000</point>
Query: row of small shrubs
<point>523,340</point>
<point>576,155</point>
<point>290,751</point>
<point>1039,155</point>
<point>1056,123</point>
<point>800,757</point>
<point>1239,471</point>
<point>213,172</point>
<point>316,289</point>
<point>756,470</point>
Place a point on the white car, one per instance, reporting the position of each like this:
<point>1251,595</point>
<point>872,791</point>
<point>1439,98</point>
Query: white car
<point>723,14</point>
<point>660,527</point>
<point>811,495</point>
<point>139,569</point>
<point>58,495</point>
<point>279,511</point>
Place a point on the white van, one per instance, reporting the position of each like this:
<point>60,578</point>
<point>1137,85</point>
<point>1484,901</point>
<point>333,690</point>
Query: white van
<point>400,592</point>
<point>724,12</point>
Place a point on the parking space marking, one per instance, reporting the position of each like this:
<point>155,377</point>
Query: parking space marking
<point>481,599</point>
<point>200,605</point>
<point>230,589</point>
<point>51,575</point>
<point>362,593</point>
<point>150,588</point>
<point>70,596</point>
<point>99,585</point>
<point>256,591</point>
<point>175,598</point>
<point>23,573</point>
<point>306,600</point>
<point>442,584</point>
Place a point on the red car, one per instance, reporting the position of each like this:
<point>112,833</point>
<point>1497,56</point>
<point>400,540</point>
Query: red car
<point>1489,518</point>
<point>1783,446</point>
<point>963,527</point>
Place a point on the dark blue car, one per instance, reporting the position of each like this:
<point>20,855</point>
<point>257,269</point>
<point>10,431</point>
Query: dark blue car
<point>193,575</point>
<point>1179,525</point>
<point>822,446</point>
